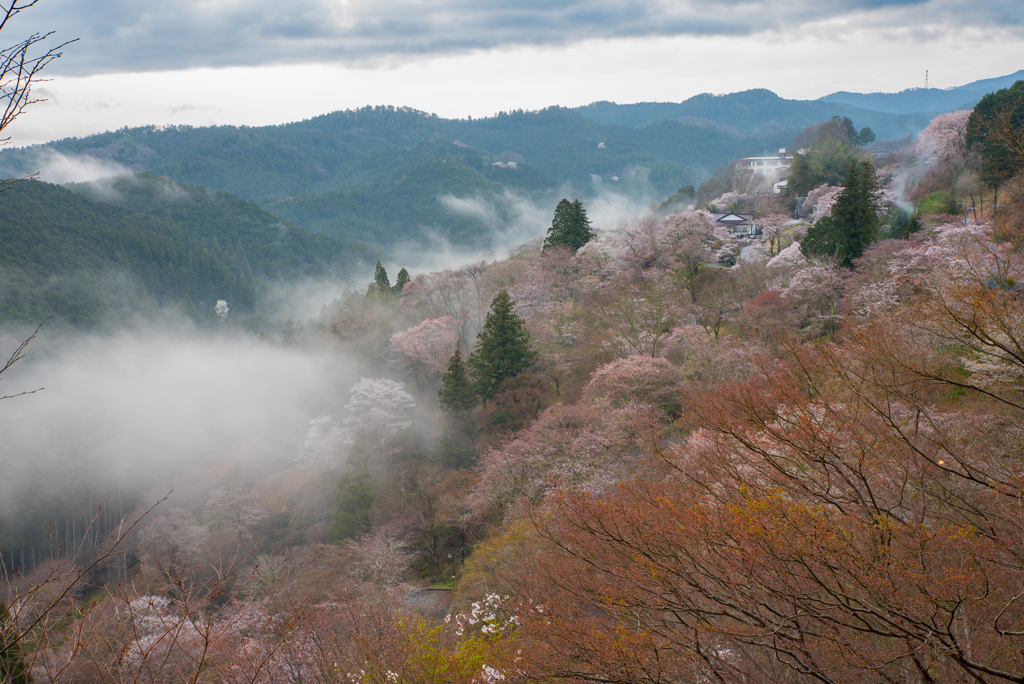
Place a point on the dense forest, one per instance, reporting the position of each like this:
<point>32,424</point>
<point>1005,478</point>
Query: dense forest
<point>653,452</point>
<point>140,244</point>
<point>376,174</point>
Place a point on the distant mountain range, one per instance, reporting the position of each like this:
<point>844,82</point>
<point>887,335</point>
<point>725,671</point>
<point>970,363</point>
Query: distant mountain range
<point>930,100</point>
<point>751,114</point>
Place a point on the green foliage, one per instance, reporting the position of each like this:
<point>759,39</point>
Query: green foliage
<point>141,243</point>
<point>823,239</point>
<point>14,667</point>
<point>503,348</point>
<point>847,122</point>
<point>853,225</point>
<point>995,127</point>
<point>382,174</point>
<point>400,280</point>
<point>351,513</point>
<point>826,162</point>
<point>381,286</point>
<point>570,226</point>
<point>865,136</point>
<point>938,202</point>
<point>912,226</point>
<point>457,395</point>
<point>678,200</point>
<point>458,398</point>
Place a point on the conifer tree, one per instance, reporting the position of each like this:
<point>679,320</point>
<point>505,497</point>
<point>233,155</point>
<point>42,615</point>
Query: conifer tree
<point>400,280</point>
<point>570,226</point>
<point>458,398</point>
<point>853,225</point>
<point>503,348</point>
<point>351,513</point>
<point>381,284</point>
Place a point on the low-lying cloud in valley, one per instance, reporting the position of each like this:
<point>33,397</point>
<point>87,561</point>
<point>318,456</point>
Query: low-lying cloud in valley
<point>139,410</point>
<point>54,167</point>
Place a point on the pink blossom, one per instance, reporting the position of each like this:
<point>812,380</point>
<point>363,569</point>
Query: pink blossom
<point>426,348</point>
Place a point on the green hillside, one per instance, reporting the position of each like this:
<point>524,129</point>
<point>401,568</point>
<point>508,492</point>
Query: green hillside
<point>141,244</point>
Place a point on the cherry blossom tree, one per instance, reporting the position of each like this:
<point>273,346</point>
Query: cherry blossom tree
<point>425,348</point>
<point>323,443</point>
<point>378,410</point>
<point>638,378</point>
<point>817,292</point>
<point>172,541</point>
<point>636,318</point>
<point>944,140</point>
<point>820,201</point>
<point>240,508</point>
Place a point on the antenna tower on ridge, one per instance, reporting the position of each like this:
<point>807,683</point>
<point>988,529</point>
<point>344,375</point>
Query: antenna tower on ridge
<point>926,79</point>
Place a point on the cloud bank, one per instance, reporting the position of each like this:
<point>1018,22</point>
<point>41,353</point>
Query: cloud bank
<point>126,35</point>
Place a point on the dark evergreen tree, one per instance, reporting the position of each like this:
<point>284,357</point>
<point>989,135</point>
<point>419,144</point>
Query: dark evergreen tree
<point>381,284</point>
<point>854,222</point>
<point>823,239</point>
<point>400,280</point>
<point>570,226</point>
<point>994,129</point>
<point>458,398</point>
<point>913,226</point>
<point>865,136</point>
<point>503,348</point>
<point>13,664</point>
<point>351,513</point>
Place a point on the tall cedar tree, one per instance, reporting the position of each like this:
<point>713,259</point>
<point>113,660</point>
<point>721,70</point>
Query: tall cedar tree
<point>458,398</point>
<point>400,280</point>
<point>351,513</point>
<point>570,227</point>
<point>853,225</point>
<point>381,285</point>
<point>502,348</point>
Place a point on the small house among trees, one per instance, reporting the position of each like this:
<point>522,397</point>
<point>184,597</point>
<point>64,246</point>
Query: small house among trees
<point>739,223</point>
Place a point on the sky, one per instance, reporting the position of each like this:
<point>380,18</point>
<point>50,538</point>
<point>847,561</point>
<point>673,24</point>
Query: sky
<point>259,62</point>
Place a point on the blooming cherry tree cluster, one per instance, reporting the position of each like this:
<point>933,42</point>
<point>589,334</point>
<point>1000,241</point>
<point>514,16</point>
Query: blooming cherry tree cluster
<point>426,347</point>
<point>324,441</point>
<point>378,410</point>
<point>819,201</point>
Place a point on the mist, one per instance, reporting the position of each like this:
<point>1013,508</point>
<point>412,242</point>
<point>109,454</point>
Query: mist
<point>138,411</point>
<point>516,221</point>
<point>57,168</point>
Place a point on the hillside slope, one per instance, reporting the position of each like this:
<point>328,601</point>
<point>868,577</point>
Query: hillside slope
<point>137,244</point>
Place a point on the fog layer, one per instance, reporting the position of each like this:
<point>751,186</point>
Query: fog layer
<point>137,410</point>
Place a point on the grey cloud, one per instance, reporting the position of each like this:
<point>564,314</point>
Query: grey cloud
<point>141,35</point>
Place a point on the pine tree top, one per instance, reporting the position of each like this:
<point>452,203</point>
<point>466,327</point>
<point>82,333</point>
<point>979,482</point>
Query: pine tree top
<point>570,226</point>
<point>503,347</point>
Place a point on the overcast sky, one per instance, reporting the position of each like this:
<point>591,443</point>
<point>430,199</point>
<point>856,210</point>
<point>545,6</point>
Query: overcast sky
<point>259,62</point>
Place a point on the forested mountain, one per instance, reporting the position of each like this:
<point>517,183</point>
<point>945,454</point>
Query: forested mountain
<point>366,149</point>
<point>752,113</point>
<point>925,99</point>
<point>382,174</point>
<point>135,243</point>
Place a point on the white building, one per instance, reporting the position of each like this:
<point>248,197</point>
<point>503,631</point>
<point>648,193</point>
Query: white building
<point>770,167</point>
